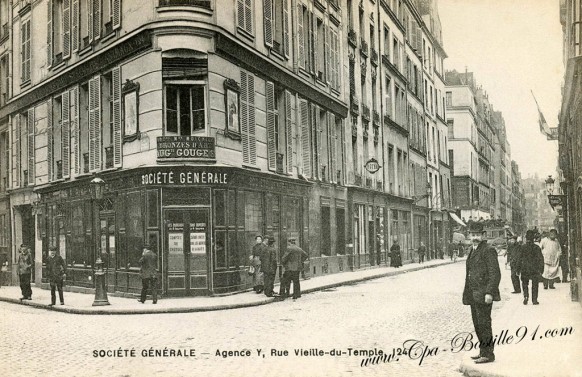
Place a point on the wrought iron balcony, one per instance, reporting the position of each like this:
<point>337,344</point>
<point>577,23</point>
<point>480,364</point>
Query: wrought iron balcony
<point>352,38</point>
<point>194,3</point>
<point>365,112</point>
<point>355,105</point>
<point>363,47</point>
<point>376,118</point>
<point>374,57</point>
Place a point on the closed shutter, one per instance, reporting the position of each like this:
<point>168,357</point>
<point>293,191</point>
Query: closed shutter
<point>95,124</point>
<point>240,13</point>
<point>315,65</point>
<point>249,16</point>
<point>49,34</point>
<point>268,21</point>
<point>327,56</point>
<point>305,138</point>
<point>96,19</point>
<point>289,126</point>
<point>75,131</point>
<point>66,136</point>
<point>75,25</point>
<point>116,20</point>
<point>117,144</point>
<point>310,43</point>
<point>252,123</point>
<point>31,147</point>
<point>271,142</point>
<point>16,151</point>
<point>286,43</point>
<point>50,133</point>
<point>66,28</point>
<point>301,37</point>
<point>244,118</point>
<point>332,144</point>
<point>90,20</point>
<point>316,132</point>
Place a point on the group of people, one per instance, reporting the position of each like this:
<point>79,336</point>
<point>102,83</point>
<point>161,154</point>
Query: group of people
<point>263,267</point>
<point>56,270</point>
<point>538,260</point>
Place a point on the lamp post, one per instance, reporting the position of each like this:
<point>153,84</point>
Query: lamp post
<point>550,184</point>
<point>97,187</point>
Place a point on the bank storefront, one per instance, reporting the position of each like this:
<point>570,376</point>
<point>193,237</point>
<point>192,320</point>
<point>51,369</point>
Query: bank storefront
<point>202,222</point>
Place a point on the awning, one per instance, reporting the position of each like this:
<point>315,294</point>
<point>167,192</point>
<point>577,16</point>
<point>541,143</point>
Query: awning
<point>456,218</point>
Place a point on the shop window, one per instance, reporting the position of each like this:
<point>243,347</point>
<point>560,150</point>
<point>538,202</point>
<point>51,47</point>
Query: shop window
<point>220,208</point>
<point>185,109</point>
<point>153,207</point>
<point>220,249</point>
<point>78,250</point>
<point>134,228</point>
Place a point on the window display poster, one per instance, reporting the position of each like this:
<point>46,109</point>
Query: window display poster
<point>175,242</point>
<point>197,243</point>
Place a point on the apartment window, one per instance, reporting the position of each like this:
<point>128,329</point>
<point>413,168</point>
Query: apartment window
<point>363,90</point>
<point>362,24</point>
<point>449,98</point>
<point>395,53</point>
<point>304,31</point>
<point>387,41</point>
<point>185,108</point>
<point>276,25</point>
<point>4,80</point>
<point>391,169</point>
<point>333,60</point>
<point>388,97</point>
<point>355,157</point>
<point>319,51</point>
<point>245,16</point>
<point>25,53</point>
<point>4,17</point>
<point>372,37</point>
<point>350,15</point>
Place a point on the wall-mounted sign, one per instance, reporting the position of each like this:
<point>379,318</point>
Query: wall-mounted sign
<point>184,177</point>
<point>186,147</point>
<point>556,200</point>
<point>372,165</point>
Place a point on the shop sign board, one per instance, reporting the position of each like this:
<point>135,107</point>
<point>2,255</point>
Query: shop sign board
<point>186,148</point>
<point>372,165</point>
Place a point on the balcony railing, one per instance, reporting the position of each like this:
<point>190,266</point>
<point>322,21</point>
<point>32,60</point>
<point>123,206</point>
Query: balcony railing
<point>192,3</point>
<point>376,118</point>
<point>366,113</point>
<point>363,47</point>
<point>374,57</point>
<point>352,38</point>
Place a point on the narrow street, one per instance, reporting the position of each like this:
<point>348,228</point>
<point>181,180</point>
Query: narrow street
<point>376,315</point>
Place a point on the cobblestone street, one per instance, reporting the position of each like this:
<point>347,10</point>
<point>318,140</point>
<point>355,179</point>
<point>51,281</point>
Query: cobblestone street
<point>379,314</point>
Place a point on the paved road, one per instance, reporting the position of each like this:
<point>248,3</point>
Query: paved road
<point>379,314</point>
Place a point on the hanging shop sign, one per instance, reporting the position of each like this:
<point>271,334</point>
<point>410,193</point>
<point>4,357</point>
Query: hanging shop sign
<point>556,200</point>
<point>372,166</point>
<point>186,148</point>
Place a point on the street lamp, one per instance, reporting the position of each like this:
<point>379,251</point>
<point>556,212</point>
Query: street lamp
<point>97,188</point>
<point>550,184</point>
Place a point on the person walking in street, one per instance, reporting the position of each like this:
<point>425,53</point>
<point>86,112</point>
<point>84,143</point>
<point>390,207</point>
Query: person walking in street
<point>258,283</point>
<point>395,255</point>
<point>293,262</point>
<point>421,252</point>
<point>551,250</point>
<point>57,273</point>
<point>269,264</point>
<point>481,289</point>
<point>529,264</point>
<point>24,272</point>
<point>512,258</point>
<point>149,273</point>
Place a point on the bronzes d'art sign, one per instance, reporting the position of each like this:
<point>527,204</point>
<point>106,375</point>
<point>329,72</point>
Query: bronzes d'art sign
<point>186,147</point>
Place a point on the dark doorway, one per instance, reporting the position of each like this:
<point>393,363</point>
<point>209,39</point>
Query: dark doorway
<point>325,231</point>
<point>28,231</point>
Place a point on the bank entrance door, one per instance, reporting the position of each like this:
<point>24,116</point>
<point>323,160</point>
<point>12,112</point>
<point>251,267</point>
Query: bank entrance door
<point>187,251</point>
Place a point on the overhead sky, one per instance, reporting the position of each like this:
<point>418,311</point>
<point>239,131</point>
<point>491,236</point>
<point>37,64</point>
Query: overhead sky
<point>513,47</point>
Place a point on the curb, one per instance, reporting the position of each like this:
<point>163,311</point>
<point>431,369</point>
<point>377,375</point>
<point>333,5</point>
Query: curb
<point>266,300</point>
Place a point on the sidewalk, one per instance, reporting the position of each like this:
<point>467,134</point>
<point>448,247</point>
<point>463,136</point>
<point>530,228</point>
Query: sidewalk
<point>538,354</point>
<point>81,303</point>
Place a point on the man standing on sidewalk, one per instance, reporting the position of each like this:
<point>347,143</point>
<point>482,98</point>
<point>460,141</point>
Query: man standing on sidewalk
<point>530,266</point>
<point>293,262</point>
<point>57,272</point>
<point>149,273</point>
<point>269,264</point>
<point>481,289</point>
<point>24,271</point>
<point>421,252</point>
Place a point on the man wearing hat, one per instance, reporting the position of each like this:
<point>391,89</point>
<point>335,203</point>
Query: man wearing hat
<point>481,289</point>
<point>56,270</point>
<point>24,272</point>
<point>530,266</point>
<point>149,273</point>
<point>512,258</point>
<point>268,258</point>
<point>293,261</point>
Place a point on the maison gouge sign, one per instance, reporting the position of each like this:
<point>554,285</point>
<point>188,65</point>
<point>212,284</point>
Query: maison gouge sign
<point>186,147</point>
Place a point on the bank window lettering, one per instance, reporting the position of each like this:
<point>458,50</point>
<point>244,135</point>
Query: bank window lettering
<point>185,109</point>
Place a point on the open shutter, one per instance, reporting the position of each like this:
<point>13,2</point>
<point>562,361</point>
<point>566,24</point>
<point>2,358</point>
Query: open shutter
<point>271,142</point>
<point>301,37</point>
<point>316,129</point>
<point>31,148</point>
<point>305,138</point>
<point>90,20</point>
<point>49,132</point>
<point>332,147</point>
<point>66,136</point>
<point>327,57</point>
<point>316,66</point>
<point>289,126</point>
<point>244,118</point>
<point>252,123</point>
<point>75,25</point>
<point>116,21</point>
<point>287,46</point>
<point>240,13</point>
<point>16,151</point>
<point>117,144</point>
<point>268,21</point>
<point>74,129</point>
<point>96,19</point>
<point>66,28</point>
<point>249,16</point>
<point>49,34</point>
<point>310,43</point>
<point>95,124</point>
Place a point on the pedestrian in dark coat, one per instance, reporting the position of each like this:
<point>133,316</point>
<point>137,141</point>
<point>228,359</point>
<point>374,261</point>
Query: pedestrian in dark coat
<point>56,272</point>
<point>24,272</point>
<point>421,252</point>
<point>269,264</point>
<point>293,262</point>
<point>530,265</point>
<point>149,273</point>
<point>512,258</point>
<point>395,255</point>
<point>258,281</point>
<point>481,289</point>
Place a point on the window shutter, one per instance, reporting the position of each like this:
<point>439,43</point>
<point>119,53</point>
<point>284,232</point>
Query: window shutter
<point>268,21</point>
<point>271,142</point>
<point>90,20</point>
<point>301,37</point>
<point>252,123</point>
<point>327,56</point>
<point>332,145</point>
<point>305,138</point>
<point>249,16</point>
<point>31,150</point>
<point>66,136</point>
<point>74,127</point>
<point>116,21</point>
<point>96,19</point>
<point>16,151</point>
<point>49,34</point>
<point>240,13</point>
<point>315,128</point>
<point>75,25</point>
<point>95,123</point>
<point>286,28</point>
<point>310,43</point>
<point>49,133</point>
<point>244,118</point>
<point>117,144</point>
<point>315,64</point>
<point>289,126</point>
<point>66,28</point>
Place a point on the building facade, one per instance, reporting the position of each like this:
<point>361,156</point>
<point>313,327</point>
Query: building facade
<point>538,212</point>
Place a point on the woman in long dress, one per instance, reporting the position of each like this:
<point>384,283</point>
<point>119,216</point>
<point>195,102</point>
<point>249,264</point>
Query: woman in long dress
<point>395,255</point>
